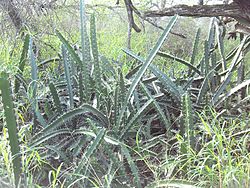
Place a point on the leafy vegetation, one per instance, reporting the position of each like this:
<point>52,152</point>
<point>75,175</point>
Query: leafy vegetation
<point>83,120</point>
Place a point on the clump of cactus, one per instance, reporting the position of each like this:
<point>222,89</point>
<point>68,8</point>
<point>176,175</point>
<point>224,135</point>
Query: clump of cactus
<point>86,119</point>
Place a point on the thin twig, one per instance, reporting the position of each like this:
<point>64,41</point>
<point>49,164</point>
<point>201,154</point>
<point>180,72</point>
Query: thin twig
<point>138,13</point>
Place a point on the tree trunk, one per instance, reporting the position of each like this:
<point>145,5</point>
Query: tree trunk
<point>13,13</point>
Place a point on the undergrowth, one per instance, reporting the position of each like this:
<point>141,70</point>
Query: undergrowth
<point>80,119</point>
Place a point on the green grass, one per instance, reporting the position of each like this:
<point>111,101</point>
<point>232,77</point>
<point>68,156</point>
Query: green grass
<point>113,129</point>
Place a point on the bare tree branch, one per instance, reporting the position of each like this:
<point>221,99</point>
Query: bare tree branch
<point>138,13</point>
<point>231,10</point>
<point>128,4</point>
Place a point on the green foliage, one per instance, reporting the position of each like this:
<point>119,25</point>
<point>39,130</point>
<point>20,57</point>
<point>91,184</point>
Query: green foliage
<point>82,167</point>
<point>188,120</point>
<point>162,54</point>
<point>66,117</point>
<point>11,126</point>
<point>132,166</point>
<point>97,122</point>
<point>95,52</point>
<point>55,97</point>
<point>67,76</point>
<point>146,64</point>
<point>22,61</point>
<point>86,59</point>
<point>237,58</point>
<point>195,47</point>
<point>33,86</point>
<point>164,117</point>
<point>172,183</point>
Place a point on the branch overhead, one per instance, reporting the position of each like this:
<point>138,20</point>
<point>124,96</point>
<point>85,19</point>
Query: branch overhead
<point>231,10</point>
